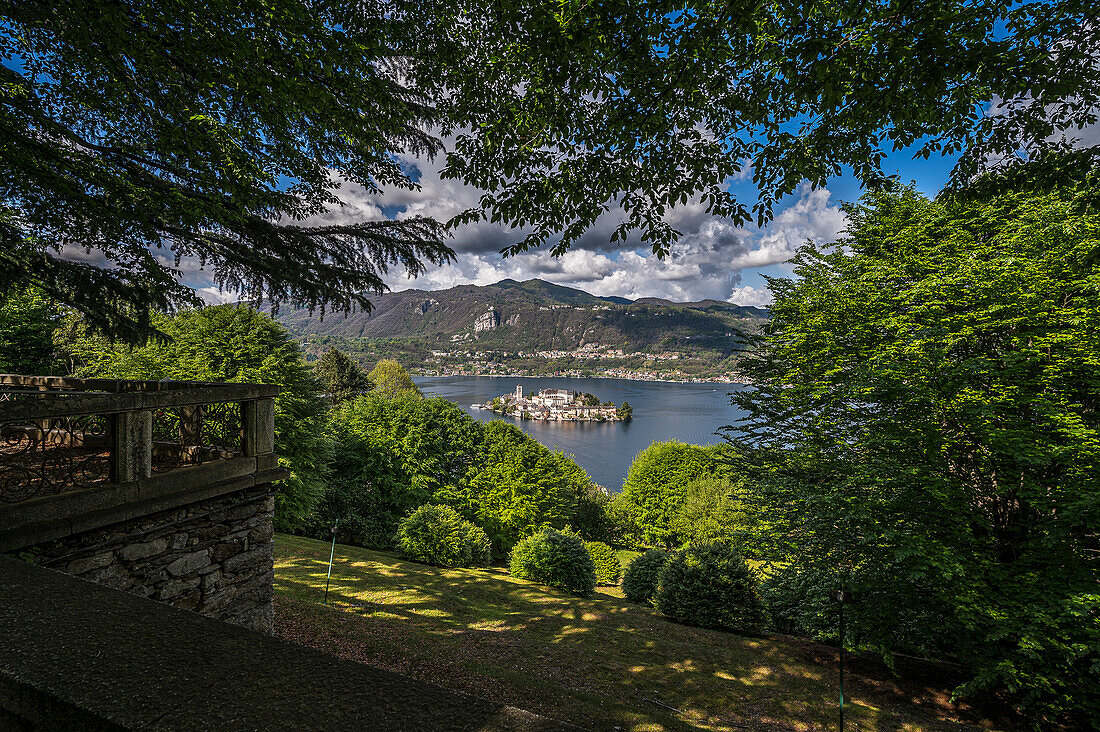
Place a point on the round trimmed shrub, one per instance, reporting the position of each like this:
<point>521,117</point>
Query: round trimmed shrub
<point>438,535</point>
<point>640,580</point>
<point>555,558</point>
<point>710,586</point>
<point>608,567</point>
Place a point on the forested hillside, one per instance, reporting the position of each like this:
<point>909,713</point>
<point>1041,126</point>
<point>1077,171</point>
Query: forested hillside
<point>536,315</point>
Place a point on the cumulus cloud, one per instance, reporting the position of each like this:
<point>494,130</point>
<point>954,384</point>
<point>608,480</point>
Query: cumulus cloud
<point>707,261</point>
<point>214,296</point>
<point>758,296</point>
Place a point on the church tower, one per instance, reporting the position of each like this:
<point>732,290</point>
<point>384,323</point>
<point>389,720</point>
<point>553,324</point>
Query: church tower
<point>519,393</point>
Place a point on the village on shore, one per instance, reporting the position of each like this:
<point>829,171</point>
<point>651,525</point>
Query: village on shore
<point>588,361</point>
<point>558,405</point>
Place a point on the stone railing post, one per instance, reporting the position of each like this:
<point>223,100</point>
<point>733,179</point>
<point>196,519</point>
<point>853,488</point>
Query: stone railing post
<point>132,448</point>
<point>258,420</point>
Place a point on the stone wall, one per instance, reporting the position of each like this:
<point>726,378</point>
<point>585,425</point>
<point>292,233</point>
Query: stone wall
<point>213,557</point>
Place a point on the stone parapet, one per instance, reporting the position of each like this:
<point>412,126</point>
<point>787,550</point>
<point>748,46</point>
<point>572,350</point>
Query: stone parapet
<point>213,556</point>
<point>160,488</point>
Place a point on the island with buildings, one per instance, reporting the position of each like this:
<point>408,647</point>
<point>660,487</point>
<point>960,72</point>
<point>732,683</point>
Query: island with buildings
<point>559,405</point>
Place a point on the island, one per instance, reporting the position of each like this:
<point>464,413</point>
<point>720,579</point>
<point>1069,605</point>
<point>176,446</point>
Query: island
<point>560,405</point>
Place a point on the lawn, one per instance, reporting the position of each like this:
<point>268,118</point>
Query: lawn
<point>600,662</point>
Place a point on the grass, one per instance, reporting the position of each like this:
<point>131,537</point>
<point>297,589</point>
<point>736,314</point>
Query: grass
<point>600,662</point>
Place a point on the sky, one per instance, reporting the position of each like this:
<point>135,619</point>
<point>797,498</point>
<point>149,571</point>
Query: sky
<point>713,258</point>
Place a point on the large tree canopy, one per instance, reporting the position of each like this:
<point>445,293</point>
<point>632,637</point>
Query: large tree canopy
<point>925,430</point>
<point>27,325</point>
<point>394,453</point>
<point>134,133</point>
<point>341,378</point>
<point>573,109</point>
<point>658,483</point>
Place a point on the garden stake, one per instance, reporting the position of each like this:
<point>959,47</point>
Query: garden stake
<point>330,555</point>
<point>841,655</point>
<point>841,598</point>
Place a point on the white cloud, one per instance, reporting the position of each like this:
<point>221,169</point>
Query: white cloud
<point>214,296</point>
<point>759,297</point>
<point>706,262</point>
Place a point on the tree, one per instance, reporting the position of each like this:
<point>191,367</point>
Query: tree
<point>392,455</point>
<point>341,377</point>
<point>717,510</point>
<point>217,130</point>
<point>688,95</point>
<point>518,487</point>
<point>926,428</point>
<point>592,518</point>
<point>27,323</point>
<point>625,412</point>
<point>234,344</point>
<point>657,483</point>
<point>212,131</point>
<point>392,381</point>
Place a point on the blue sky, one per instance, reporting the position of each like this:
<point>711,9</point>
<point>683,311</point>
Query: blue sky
<point>930,176</point>
<point>714,258</point>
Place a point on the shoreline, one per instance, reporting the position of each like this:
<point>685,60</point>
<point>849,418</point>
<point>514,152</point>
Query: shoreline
<point>557,376</point>
<point>547,419</point>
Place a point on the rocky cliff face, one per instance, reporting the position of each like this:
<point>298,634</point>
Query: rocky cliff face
<point>424,307</point>
<point>490,320</point>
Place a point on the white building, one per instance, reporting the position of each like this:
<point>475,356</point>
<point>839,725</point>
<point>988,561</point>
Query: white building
<point>554,397</point>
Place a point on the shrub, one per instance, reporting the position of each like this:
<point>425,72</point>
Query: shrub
<point>481,549</point>
<point>710,586</point>
<point>640,580</point>
<point>799,602</point>
<point>591,517</point>
<point>555,558</point>
<point>608,567</point>
<point>438,535</point>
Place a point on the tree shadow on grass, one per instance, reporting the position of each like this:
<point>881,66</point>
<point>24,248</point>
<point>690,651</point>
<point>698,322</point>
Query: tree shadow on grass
<point>600,662</point>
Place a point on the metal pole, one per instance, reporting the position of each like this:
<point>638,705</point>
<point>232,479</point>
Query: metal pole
<point>842,663</point>
<point>333,552</point>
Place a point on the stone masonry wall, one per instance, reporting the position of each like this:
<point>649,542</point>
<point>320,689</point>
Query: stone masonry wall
<point>214,557</point>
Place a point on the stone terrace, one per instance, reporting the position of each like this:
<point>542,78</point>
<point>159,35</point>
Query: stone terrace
<point>163,489</point>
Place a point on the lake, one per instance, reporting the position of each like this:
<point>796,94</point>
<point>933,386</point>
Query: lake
<point>662,411</point>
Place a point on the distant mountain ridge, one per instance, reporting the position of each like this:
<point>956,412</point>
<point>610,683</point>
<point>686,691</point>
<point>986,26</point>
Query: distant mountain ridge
<point>534,315</point>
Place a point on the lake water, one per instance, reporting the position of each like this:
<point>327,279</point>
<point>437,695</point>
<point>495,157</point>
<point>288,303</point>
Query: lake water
<point>685,412</point>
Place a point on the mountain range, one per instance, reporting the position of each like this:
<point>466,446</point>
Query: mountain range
<point>535,315</point>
